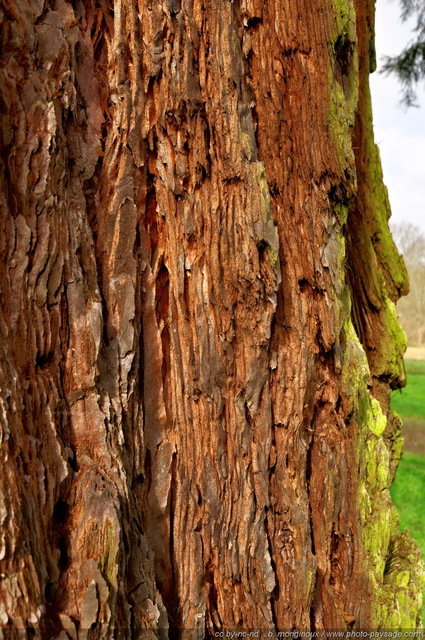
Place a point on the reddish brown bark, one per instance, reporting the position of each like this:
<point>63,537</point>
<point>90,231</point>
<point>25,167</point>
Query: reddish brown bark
<point>188,434</point>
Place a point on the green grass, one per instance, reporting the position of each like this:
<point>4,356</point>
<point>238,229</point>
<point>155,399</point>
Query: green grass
<point>410,401</point>
<point>408,493</point>
<point>408,490</point>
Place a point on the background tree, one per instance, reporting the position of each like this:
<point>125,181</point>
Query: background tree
<point>411,309</point>
<point>198,330</point>
<point>409,65</point>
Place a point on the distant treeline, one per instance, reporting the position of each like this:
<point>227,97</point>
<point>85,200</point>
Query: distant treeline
<point>411,309</point>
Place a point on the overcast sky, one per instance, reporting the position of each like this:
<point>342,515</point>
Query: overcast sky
<point>400,134</point>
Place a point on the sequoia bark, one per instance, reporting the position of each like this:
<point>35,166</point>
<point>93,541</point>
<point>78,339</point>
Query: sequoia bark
<point>198,332</point>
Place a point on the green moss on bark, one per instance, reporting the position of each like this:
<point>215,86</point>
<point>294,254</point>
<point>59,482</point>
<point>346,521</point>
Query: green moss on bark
<point>343,81</point>
<point>264,226</point>
<point>381,279</point>
<point>400,599</point>
<point>396,600</point>
<point>376,202</point>
<point>396,603</point>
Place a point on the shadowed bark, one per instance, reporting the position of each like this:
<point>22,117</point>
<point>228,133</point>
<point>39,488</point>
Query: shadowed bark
<point>198,331</point>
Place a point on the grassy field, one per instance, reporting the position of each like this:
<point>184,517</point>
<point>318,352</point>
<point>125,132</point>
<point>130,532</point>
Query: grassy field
<point>408,490</point>
<point>410,401</point>
<point>408,493</point>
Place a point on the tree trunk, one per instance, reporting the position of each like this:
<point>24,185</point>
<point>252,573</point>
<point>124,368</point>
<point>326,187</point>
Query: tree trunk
<point>198,331</point>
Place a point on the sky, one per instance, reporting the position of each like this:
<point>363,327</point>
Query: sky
<point>399,133</point>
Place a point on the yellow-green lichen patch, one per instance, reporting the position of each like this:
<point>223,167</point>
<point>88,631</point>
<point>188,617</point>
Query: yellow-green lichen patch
<point>341,212</point>
<point>396,600</point>
<point>264,229</point>
<point>378,209</point>
<point>341,123</point>
<point>246,144</point>
<point>394,607</point>
<point>345,16</point>
<point>333,259</point>
<point>273,255</point>
<point>343,81</point>
<point>378,515</point>
<point>108,561</point>
<point>400,599</point>
<point>260,177</point>
<point>394,440</point>
<point>355,371</point>
<point>333,256</point>
<point>388,360</point>
<point>378,421</point>
<point>372,53</point>
<point>378,529</point>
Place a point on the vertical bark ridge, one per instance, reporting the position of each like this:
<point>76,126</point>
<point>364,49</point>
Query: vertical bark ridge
<point>309,423</point>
